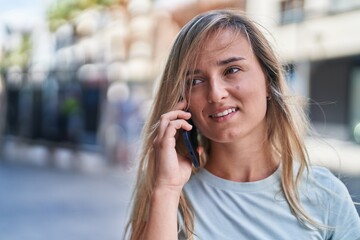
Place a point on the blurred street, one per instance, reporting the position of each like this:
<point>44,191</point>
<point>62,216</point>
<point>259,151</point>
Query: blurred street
<point>42,202</point>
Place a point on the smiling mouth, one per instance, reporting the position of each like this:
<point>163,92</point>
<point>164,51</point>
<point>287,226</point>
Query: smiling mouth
<point>223,113</point>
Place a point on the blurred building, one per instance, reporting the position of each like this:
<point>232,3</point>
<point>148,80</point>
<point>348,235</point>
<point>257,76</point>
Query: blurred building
<point>86,79</point>
<point>319,42</point>
<point>95,87</point>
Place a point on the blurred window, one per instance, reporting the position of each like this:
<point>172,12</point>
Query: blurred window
<point>291,11</point>
<point>338,6</point>
<point>321,8</point>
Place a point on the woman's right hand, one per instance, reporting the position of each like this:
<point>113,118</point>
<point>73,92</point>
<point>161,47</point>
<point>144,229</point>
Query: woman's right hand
<point>172,169</point>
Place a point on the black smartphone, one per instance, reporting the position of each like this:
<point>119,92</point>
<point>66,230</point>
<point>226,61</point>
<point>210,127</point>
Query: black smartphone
<point>190,139</point>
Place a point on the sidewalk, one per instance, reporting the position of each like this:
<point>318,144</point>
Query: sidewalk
<point>58,157</point>
<point>43,203</point>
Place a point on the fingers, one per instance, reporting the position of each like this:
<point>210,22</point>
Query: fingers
<point>172,169</point>
<point>171,122</point>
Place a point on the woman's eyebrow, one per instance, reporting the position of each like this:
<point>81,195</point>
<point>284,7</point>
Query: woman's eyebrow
<point>194,72</point>
<point>219,63</point>
<point>229,60</point>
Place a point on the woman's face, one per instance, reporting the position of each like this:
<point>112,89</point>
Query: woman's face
<point>228,96</point>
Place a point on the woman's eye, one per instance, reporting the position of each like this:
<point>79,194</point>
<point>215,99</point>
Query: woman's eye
<point>196,81</point>
<point>232,70</point>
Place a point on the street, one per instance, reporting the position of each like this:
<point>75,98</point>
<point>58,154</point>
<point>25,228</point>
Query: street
<point>41,203</point>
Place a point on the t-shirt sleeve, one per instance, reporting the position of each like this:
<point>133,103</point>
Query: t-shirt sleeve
<point>342,213</point>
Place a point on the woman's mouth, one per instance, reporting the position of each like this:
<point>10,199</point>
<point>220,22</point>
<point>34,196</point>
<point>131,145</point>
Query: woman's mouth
<point>224,113</point>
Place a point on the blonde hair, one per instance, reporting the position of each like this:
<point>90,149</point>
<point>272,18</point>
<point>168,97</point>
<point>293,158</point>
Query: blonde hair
<point>285,117</point>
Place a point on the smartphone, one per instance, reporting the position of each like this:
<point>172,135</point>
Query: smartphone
<point>190,139</point>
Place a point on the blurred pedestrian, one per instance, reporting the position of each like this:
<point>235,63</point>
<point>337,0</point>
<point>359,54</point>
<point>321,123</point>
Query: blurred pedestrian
<point>2,112</point>
<point>254,180</point>
<point>113,128</point>
<point>71,114</point>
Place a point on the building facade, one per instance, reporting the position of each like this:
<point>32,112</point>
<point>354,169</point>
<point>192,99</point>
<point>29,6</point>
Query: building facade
<point>320,40</point>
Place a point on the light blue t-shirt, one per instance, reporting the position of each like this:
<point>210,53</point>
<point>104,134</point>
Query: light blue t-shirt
<point>227,210</point>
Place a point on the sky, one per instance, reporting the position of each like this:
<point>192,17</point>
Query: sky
<point>23,14</point>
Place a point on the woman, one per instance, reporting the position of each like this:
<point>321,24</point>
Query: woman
<point>254,181</point>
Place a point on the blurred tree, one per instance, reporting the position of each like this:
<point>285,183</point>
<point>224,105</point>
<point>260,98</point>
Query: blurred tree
<point>65,10</point>
<point>18,56</point>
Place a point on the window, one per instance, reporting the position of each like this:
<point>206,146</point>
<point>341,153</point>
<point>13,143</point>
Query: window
<point>292,11</point>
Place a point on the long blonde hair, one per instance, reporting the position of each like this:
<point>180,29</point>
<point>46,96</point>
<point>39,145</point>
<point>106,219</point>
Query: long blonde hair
<point>285,117</point>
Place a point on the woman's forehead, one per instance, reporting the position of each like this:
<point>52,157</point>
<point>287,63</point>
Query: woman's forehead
<point>222,38</point>
<point>222,45</point>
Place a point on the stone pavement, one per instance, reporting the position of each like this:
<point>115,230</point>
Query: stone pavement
<point>43,203</point>
<point>59,157</point>
<point>61,194</point>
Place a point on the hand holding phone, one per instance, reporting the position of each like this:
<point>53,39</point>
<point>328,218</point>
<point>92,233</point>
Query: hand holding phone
<point>190,139</point>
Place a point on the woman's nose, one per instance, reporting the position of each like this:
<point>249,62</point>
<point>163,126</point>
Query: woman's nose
<point>217,91</point>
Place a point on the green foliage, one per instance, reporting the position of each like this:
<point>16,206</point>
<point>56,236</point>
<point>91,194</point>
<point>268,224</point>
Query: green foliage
<point>18,56</point>
<point>65,10</point>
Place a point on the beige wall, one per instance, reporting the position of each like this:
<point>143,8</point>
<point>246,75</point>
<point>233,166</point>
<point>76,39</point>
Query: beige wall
<point>321,37</point>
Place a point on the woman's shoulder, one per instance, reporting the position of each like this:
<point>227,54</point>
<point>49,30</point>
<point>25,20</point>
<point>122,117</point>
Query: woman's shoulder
<point>341,210</point>
<point>321,173</point>
<point>327,179</point>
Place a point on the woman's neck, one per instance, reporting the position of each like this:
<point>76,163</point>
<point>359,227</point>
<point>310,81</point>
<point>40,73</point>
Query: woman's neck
<point>242,163</point>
